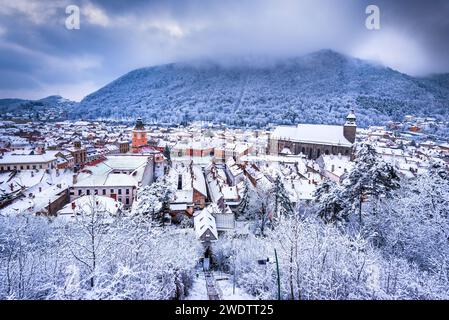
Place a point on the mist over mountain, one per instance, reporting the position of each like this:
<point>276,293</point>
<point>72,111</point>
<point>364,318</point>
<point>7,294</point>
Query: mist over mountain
<point>316,88</point>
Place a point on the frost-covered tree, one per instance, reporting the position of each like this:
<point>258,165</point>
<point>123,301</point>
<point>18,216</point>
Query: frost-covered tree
<point>282,205</point>
<point>167,153</point>
<point>244,201</point>
<point>370,179</point>
<point>86,235</point>
<point>30,257</point>
<point>330,203</point>
<point>153,200</point>
<point>414,223</point>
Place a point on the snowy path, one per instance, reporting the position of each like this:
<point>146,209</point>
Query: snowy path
<point>199,288</point>
<point>212,286</point>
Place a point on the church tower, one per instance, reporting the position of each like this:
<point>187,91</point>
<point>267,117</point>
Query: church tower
<point>139,136</point>
<point>350,127</point>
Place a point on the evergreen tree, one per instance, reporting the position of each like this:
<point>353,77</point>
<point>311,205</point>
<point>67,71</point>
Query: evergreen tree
<point>370,177</point>
<point>153,200</point>
<point>167,152</point>
<point>243,205</point>
<point>282,204</point>
<point>330,204</point>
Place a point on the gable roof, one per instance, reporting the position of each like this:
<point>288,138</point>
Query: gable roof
<point>204,222</point>
<point>313,133</point>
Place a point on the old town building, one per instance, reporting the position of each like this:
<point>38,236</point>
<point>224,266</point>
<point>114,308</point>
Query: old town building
<point>314,140</point>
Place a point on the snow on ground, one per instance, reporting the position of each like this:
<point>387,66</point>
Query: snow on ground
<point>225,287</point>
<point>198,290</point>
<point>225,282</point>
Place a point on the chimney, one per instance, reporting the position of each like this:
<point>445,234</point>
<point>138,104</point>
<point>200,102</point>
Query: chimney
<point>75,179</point>
<point>333,168</point>
<point>73,205</point>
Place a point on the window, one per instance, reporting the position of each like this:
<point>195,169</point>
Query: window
<point>96,191</point>
<point>34,166</point>
<point>127,200</point>
<point>119,191</point>
<point>127,191</point>
<point>28,167</point>
<point>88,192</point>
<point>104,192</point>
<point>112,190</point>
<point>21,167</point>
<point>79,192</point>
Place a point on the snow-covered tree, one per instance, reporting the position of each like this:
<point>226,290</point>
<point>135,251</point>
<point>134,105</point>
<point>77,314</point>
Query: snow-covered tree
<point>330,204</point>
<point>370,179</point>
<point>282,205</point>
<point>153,200</point>
<point>167,153</point>
<point>86,235</point>
<point>244,201</point>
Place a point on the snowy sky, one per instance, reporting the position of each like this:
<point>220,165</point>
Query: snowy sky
<point>40,57</point>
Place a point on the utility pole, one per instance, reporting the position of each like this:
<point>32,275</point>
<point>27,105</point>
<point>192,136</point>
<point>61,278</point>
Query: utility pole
<point>233,262</point>
<point>233,282</point>
<point>279,278</point>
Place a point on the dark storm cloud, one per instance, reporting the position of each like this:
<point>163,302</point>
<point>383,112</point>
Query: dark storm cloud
<point>425,21</point>
<point>40,56</point>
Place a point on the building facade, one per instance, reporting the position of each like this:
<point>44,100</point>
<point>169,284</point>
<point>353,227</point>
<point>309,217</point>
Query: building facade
<point>11,162</point>
<point>314,140</point>
<point>79,153</point>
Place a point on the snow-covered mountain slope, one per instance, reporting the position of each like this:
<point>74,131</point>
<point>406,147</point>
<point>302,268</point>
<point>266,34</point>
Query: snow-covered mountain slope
<point>317,88</point>
<point>19,107</point>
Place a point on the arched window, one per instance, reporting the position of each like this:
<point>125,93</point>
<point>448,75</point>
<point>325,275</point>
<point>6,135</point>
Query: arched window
<point>327,152</point>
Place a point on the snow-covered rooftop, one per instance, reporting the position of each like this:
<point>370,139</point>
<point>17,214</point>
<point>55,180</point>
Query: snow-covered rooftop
<point>313,133</point>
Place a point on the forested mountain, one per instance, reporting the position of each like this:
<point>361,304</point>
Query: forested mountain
<point>317,88</point>
<point>53,106</point>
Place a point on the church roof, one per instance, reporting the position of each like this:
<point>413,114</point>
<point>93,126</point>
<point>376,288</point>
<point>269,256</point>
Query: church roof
<point>139,124</point>
<point>313,133</point>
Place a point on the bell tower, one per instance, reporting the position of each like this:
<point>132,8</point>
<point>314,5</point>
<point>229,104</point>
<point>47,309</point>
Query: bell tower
<point>350,127</point>
<point>139,136</point>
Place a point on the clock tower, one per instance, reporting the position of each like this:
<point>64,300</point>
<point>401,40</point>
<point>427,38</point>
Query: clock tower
<point>139,136</point>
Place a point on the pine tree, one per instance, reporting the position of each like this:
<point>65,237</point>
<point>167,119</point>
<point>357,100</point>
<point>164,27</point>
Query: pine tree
<point>282,204</point>
<point>167,152</point>
<point>243,205</point>
<point>370,177</point>
<point>153,201</point>
<point>328,197</point>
